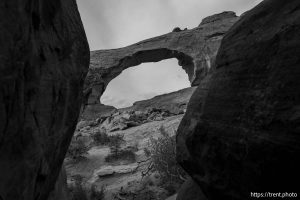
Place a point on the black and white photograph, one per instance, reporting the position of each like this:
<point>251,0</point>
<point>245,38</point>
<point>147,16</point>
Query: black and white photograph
<point>149,99</point>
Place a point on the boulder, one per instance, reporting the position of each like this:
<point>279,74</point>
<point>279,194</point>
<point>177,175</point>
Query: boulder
<point>240,133</point>
<point>190,190</point>
<point>44,57</point>
<point>119,169</point>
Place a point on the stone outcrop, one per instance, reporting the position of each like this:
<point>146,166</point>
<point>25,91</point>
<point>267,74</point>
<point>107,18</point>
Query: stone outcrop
<point>96,111</point>
<point>154,109</point>
<point>44,57</point>
<point>218,17</point>
<point>241,132</point>
<point>175,102</point>
<point>195,50</point>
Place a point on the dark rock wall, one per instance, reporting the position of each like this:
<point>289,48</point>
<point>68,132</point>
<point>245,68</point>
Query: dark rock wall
<point>241,132</point>
<point>61,190</point>
<point>44,57</point>
<point>190,190</point>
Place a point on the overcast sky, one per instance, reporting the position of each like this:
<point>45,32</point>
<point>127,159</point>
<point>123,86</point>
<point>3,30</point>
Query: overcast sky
<point>118,23</point>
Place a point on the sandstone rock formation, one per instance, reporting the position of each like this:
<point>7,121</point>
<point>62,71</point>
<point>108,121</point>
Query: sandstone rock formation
<point>195,50</point>
<point>44,57</point>
<point>96,111</point>
<point>154,109</point>
<point>241,133</point>
<point>175,102</point>
<point>61,190</point>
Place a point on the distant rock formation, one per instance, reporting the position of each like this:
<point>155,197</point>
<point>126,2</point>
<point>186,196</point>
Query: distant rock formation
<point>96,111</point>
<point>157,108</point>
<point>218,17</point>
<point>241,132</point>
<point>195,50</point>
<point>175,102</point>
<point>44,57</point>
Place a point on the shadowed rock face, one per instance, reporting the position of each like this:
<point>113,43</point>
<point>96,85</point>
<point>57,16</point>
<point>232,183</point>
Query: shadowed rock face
<point>241,132</point>
<point>44,57</point>
<point>195,50</point>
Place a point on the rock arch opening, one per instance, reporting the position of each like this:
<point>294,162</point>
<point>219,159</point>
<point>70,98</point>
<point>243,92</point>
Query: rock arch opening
<point>108,64</point>
<point>144,82</point>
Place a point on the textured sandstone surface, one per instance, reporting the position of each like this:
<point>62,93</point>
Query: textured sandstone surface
<point>195,50</point>
<point>175,102</point>
<point>241,131</point>
<point>96,111</point>
<point>44,57</point>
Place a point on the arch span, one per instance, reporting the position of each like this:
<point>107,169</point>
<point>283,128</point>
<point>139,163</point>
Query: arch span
<point>195,50</point>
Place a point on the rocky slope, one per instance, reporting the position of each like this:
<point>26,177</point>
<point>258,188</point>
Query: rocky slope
<point>195,50</point>
<point>241,132</point>
<point>121,176</point>
<point>44,57</point>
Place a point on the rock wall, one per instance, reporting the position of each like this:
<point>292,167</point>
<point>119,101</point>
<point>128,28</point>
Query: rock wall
<point>241,131</point>
<point>61,190</point>
<point>195,50</point>
<point>44,57</point>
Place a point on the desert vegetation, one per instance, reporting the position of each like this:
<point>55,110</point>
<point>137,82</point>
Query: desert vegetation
<point>79,192</point>
<point>101,137</point>
<point>77,149</point>
<point>143,157</point>
<point>162,159</point>
<point>116,152</point>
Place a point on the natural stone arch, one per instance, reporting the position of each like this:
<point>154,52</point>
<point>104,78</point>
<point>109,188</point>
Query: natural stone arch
<point>195,50</point>
<point>137,58</point>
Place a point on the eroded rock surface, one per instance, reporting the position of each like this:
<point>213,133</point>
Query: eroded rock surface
<point>195,50</point>
<point>175,102</point>
<point>154,109</point>
<point>44,57</point>
<point>241,133</point>
<point>61,190</point>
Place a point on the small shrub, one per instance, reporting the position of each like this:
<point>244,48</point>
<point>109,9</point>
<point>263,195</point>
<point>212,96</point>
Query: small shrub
<point>97,194</point>
<point>101,137</point>
<point>116,152</point>
<point>115,144</point>
<point>122,154</point>
<point>147,152</point>
<point>163,157</point>
<point>77,192</point>
<point>176,29</point>
<point>77,149</point>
